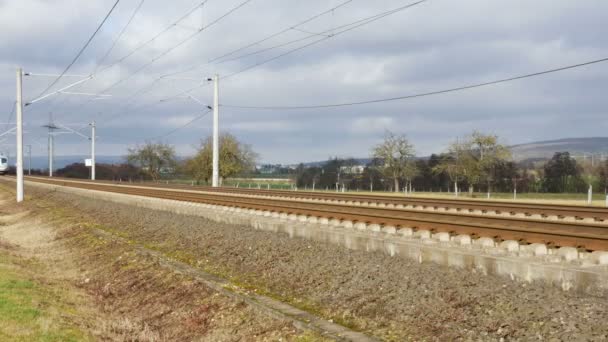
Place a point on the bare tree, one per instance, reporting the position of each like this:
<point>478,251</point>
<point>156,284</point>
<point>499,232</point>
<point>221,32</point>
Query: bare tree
<point>396,153</point>
<point>152,158</point>
<point>235,157</point>
<point>487,153</point>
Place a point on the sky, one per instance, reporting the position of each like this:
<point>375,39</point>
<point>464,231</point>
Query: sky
<point>431,46</point>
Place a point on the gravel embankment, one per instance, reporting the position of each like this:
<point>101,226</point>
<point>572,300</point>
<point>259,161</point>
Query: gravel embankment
<point>392,298</point>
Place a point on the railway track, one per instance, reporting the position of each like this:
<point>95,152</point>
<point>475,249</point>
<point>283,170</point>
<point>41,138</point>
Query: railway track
<point>582,234</point>
<point>555,212</point>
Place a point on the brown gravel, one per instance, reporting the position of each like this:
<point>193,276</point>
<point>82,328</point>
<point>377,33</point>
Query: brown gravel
<point>116,293</point>
<point>392,298</point>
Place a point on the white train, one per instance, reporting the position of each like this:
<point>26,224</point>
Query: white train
<point>3,164</point>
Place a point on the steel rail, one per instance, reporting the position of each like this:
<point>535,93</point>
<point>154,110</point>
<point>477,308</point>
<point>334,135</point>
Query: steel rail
<point>529,209</point>
<point>589,236</point>
<point>559,211</point>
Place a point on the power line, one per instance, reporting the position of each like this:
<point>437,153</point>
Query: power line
<point>122,32</point>
<point>10,116</point>
<point>102,59</point>
<point>153,104</point>
<point>142,45</point>
<point>181,127</point>
<point>437,92</point>
<point>330,33</point>
<point>351,26</point>
<point>276,34</point>
<point>184,41</point>
<point>81,50</point>
<point>162,32</point>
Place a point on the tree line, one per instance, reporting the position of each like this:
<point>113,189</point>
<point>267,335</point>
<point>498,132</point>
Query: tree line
<point>474,163</point>
<point>155,161</point>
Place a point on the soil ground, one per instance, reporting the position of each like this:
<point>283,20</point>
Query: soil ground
<point>60,281</point>
<point>394,299</point>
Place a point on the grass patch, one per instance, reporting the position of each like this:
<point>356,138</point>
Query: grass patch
<point>28,310</point>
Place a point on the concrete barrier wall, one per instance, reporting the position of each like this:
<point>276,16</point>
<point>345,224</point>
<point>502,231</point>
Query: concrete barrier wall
<point>567,268</point>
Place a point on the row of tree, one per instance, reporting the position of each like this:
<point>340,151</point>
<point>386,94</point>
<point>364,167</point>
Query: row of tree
<point>155,159</point>
<point>477,162</point>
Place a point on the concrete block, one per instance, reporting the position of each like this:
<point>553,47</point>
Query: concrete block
<point>510,245</point>
<point>335,222</point>
<point>485,242</point>
<point>324,221</point>
<point>589,220</point>
<point>405,232</point>
<point>567,253</point>
<point>537,249</point>
<point>292,217</point>
<point>423,234</point>
<point>462,240</point>
<point>599,257</point>
<point>374,228</point>
<point>389,230</point>
<point>284,216</point>
<point>313,219</point>
<point>302,218</point>
<point>347,224</point>
<point>360,226</point>
<point>442,237</point>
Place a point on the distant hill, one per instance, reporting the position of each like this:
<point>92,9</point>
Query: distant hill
<point>546,149</point>
<point>42,162</point>
<point>537,151</point>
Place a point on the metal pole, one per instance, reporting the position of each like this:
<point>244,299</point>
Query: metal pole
<point>19,106</point>
<point>29,160</point>
<point>93,150</point>
<point>51,143</point>
<point>216,131</point>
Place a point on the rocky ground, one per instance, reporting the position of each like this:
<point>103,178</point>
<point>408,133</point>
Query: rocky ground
<point>394,299</point>
<point>60,281</point>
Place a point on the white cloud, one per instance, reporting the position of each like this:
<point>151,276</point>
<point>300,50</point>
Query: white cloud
<point>372,125</point>
<point>436,45</point>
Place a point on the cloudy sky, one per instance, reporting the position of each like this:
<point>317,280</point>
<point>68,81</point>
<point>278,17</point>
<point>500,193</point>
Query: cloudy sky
<point>435,45</point>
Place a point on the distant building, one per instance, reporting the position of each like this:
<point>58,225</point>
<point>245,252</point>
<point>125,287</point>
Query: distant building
<point>352,169</point>
<point>268,169</point>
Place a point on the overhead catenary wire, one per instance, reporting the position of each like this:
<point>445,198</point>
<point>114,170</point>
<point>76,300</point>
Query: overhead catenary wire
<point>271,36</point>
<point>174,47</point>
<point>351,26</point>
<point>10,116</point>
<point>126,111</point>
<point>81,50</point>
<point>330,33</point>
<point>119,37</point>
<point>105,55</point>
<point>173,131</point>
<point>141,46</point>
<point>158,35</point>
<point>436,92</point>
